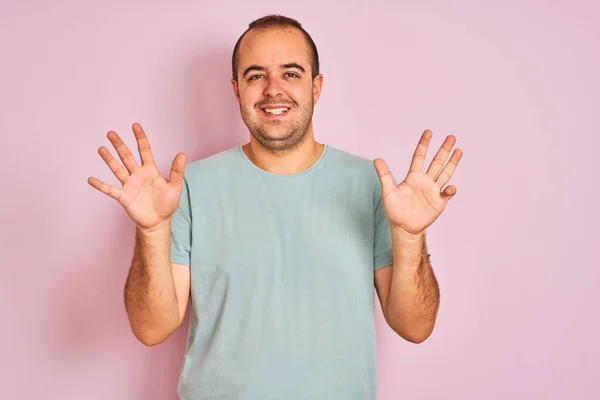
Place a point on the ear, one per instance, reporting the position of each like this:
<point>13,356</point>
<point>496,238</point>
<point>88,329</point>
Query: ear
<point>317,86</point>
<point>236,89</point>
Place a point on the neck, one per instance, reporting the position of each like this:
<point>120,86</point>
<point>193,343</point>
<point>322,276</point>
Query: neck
<point>287,162</point>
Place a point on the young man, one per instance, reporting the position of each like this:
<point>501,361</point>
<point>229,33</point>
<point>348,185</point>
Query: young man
<point>279,242</point>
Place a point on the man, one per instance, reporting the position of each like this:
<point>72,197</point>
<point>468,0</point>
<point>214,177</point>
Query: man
<point>278,242</point>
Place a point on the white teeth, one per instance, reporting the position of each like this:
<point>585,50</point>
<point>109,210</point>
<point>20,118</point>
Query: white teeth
<point>275,110</point>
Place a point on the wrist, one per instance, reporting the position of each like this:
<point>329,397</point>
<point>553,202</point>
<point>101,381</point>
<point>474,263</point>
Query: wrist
<point>406,236</point>
<point>159,229</point>
<point>408,247</point>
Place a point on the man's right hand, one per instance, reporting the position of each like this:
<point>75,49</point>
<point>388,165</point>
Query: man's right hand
<point>148,198</point>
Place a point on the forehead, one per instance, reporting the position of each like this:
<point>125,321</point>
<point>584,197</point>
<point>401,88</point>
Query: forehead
<point>274,46</point>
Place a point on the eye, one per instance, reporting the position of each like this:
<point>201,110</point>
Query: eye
<point>254,77</point>
<point>292,75</point>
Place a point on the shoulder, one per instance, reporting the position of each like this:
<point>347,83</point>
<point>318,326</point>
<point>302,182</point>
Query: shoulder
<point>359,167</point>
<point>212,165</point>
<point>348,159</point>
<point>357,173</point>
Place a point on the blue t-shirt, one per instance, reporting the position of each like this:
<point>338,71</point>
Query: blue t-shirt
<point>282,278</point>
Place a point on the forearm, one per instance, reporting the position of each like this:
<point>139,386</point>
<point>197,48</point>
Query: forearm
<point>414,292</point>
<point>150,296</point>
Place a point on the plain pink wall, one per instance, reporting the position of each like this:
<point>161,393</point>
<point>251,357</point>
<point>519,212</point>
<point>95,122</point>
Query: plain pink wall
<point>515,81</point>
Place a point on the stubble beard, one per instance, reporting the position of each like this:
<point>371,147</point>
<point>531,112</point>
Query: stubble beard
<point>291,139</point>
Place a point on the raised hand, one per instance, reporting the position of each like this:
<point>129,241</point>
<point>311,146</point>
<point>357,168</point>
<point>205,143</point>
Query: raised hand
<point>419,200</point>
<point>148,198</point>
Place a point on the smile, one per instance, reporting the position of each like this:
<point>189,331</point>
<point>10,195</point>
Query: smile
<point>276,111</point>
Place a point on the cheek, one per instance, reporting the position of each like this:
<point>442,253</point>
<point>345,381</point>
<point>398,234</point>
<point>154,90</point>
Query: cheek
<point>250,96</point>
<point>247,102</point>
<point>306,93</point>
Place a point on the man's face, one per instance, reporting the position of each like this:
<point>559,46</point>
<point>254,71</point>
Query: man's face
<point>275,88</point>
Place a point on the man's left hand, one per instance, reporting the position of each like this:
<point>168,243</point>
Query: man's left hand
<point>419,200</point>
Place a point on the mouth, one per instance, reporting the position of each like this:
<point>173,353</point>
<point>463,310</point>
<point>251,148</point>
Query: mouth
<point>275,111</point>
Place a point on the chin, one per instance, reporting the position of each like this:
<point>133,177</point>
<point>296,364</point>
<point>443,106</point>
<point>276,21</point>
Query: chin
<point>280,141</point>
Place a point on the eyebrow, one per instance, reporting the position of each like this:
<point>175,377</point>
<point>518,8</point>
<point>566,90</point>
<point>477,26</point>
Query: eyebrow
<point>284,66</point>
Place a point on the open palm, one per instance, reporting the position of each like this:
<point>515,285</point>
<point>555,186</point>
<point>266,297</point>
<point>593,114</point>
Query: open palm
<point>419,199</point>
<point>148,198</point>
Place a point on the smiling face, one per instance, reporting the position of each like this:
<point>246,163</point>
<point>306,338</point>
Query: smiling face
<point>275,88</point>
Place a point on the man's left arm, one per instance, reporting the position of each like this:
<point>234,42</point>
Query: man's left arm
<point>408,289</point>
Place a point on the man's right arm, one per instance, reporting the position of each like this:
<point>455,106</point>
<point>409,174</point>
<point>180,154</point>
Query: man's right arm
<point>156,290</point>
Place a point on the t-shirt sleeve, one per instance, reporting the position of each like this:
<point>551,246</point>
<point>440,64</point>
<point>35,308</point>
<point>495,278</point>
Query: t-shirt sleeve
<point>181,229</point>
<point>382,243</point>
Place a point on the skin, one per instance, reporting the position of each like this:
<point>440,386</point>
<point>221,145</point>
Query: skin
<point>409,292</point>
<point>156,291</point>
<point>275,70</point>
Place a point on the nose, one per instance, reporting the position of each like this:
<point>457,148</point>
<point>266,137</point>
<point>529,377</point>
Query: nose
<point>272,87</point>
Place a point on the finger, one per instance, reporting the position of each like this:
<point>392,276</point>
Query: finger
<point>123,151</point>
<point>418,159</point>
<point>441,156</point>
<point>143,144</point>
<point>116,168</point>
<point>449,169</point>
<point>449,193</point>
<point>177,169</point>
<point>385,176</point>
<point>105,188</point>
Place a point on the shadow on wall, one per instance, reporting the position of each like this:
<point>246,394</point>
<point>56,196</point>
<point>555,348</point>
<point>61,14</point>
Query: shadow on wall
<point>95,331</point>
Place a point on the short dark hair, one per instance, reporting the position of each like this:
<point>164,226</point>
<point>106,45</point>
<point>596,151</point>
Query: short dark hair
<point>275,21</point>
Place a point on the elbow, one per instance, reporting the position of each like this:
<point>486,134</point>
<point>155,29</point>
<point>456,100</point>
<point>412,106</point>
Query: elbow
<point>153,334</point>
<point>416,337</point>
<point>413,331</point>
<point>152,331</point>
<point>150,339</point>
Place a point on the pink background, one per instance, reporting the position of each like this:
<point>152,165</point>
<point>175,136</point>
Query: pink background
<point>517,82</point>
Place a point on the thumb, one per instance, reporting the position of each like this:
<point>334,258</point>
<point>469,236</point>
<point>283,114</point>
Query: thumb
<point>448,193</point>
<point>385,176</point>
<point>177,168</point>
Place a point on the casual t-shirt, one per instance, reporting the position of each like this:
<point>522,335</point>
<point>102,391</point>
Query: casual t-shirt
<point>282,278</point>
